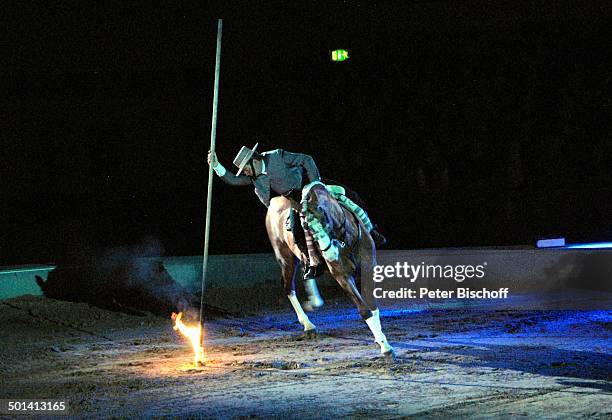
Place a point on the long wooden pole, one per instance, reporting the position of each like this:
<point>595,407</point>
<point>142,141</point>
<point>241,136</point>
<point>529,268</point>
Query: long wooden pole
<point>213,135</point>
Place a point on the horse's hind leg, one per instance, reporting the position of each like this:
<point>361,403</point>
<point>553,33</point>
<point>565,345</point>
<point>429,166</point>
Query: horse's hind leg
<point>289,269</point>
<point>315,301</point>
<point>369,313</point>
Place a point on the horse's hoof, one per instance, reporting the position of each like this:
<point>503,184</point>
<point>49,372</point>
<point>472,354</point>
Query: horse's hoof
<point>310,334</point>
<point>389,355</point>
<point>309,306</point>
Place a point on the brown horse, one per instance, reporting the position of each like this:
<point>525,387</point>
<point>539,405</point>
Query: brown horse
<point>346,245</point>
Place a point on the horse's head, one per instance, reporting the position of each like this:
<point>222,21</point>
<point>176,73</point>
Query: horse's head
<point>319,203</point>
<point>336,232</point>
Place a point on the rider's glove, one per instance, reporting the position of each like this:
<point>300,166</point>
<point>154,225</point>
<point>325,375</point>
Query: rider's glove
<point>219,169</point>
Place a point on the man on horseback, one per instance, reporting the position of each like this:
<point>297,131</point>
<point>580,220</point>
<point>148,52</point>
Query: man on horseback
<point>283,173</point>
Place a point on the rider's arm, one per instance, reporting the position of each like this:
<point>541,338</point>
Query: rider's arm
<point>227,176</point>
<point>305,161</point>
<point>231,179</point>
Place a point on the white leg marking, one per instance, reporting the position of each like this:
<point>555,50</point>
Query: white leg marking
<point>374,324</point>
<point>302,317</point>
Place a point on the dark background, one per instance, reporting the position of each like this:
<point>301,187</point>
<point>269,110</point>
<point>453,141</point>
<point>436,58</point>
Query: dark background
<point>461,123</point>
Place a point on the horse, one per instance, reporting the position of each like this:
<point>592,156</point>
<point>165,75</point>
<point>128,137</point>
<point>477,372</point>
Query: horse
<point>349,252</point>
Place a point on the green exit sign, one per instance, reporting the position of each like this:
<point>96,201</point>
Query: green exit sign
<point>339,55</point>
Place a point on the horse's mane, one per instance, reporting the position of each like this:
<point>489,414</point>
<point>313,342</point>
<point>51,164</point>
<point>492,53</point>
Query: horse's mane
<point>348,192</point>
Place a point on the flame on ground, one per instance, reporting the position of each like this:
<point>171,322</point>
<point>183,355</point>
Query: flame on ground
<point>194,334</point>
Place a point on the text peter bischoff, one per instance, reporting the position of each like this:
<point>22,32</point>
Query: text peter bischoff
<point>411,273</point>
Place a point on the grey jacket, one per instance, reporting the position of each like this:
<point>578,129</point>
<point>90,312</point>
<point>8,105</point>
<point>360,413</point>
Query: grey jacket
<point>282,173</point>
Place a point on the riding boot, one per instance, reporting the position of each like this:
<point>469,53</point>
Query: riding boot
<point>313,271</point>
<point>314,267</point>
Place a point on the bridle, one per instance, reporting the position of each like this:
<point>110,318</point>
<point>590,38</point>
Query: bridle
<point>343,229</point>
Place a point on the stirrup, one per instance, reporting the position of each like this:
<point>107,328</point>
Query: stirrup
<point>313,271</point>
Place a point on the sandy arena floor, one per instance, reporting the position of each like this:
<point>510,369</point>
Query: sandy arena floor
<point>449,363</point>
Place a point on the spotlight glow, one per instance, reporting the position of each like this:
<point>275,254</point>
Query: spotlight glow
<point>591,245</point>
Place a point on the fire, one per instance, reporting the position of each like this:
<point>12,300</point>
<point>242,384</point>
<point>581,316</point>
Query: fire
<point>194,334</point>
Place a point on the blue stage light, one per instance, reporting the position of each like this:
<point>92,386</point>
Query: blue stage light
<point>591,245</point>
<point>399,312</point>
<point>550,243</point>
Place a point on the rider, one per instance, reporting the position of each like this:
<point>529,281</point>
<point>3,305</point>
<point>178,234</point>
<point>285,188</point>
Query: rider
<point>282,173</point>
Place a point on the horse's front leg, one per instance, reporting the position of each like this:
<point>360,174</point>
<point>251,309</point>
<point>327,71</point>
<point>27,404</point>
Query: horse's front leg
<point>374,323</point>
<point>315,301</point>
<point>289,273</point>
<point>371,316</point>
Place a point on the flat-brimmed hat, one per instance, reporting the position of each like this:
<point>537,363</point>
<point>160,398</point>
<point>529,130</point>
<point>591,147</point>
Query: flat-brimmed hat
<point>243,157</point>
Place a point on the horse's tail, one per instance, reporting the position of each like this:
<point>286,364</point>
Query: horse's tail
<point>367,254</point>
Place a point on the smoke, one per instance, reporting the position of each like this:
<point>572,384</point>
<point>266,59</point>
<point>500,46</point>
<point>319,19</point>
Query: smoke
<point>126,276</point>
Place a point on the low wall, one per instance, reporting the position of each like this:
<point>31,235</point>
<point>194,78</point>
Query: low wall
<point>225,271</point>
<point>521,269</point>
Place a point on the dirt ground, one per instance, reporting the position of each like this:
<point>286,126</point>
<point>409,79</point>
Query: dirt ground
<point>449,362</point>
